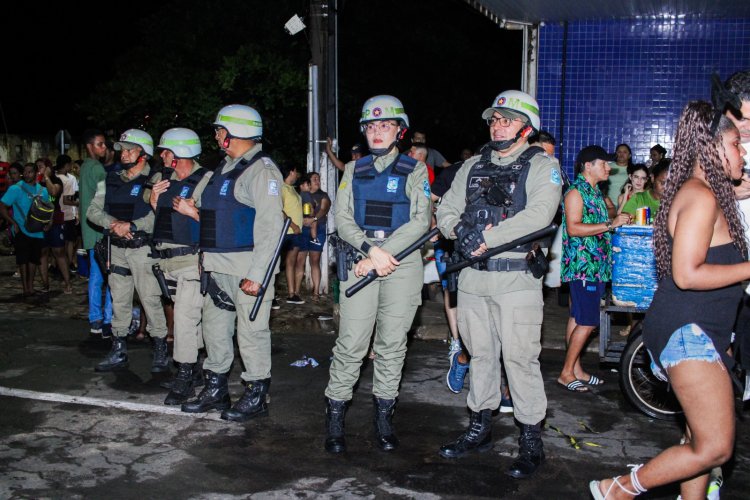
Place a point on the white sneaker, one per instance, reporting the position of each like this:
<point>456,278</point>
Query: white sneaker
<point>454,347</point>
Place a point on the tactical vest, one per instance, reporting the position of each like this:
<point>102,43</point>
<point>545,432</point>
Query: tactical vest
<point>380,201</point>
<point>226,224</point>
<point>495,193</point>
<point>171,226</point>
<point>124,200</point>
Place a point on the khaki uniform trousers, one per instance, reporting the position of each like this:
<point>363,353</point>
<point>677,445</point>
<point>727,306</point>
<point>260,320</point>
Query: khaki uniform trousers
<point>391,302</point>
<point>143,281</point>
<point>188,302</point>
<point>507,324</point>
<point>253,337</point>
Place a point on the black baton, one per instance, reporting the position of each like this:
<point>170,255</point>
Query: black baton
<point>372,275</point>
<point>269,272</point>
<point>536,235</point>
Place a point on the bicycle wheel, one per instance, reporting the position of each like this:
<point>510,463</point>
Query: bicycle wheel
<point>641,388</point>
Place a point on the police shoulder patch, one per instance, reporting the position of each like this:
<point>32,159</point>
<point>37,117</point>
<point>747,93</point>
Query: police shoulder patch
<point>268,162</point>
<point>555,178</point>
<point>426,188</point>
<point>273,187</point>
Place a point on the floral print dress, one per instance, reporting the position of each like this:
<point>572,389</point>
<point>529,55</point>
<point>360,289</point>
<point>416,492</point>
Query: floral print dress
<point>587,258</point>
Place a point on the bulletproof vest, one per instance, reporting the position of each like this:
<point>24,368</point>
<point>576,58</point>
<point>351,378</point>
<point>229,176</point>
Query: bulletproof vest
<point>380,201</point>
<point>171,226</point>
<point>495,193</point>
<point>226,224</point>
<point>124,200</point>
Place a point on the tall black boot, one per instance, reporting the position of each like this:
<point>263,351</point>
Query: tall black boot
<point>160,362</point>
<point>197,375</point>
<point>117,357</point>
<point>384,435</point>
<point>478,436</point>
<point>530,452</point>
<point>182,385</point>
<point>335,437</point>
<point>214,396</point>
<point>251,404</point>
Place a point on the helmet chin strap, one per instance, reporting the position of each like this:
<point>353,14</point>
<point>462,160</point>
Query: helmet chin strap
<point>128,166</point>
<point>503,145</point>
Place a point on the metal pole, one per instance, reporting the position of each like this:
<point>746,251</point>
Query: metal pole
<point>310,105</point>
<point>315,121</point>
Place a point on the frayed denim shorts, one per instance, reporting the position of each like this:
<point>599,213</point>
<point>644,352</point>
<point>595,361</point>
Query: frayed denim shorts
<point>689,342</point>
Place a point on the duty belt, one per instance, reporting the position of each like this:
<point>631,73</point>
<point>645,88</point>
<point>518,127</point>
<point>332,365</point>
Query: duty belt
<point>380,235</point>
<point>138,240</point>
<point>502,265</point>
<point>169,253</point>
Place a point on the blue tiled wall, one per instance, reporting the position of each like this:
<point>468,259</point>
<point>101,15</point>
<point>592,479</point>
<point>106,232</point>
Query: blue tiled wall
<point>627,81</point>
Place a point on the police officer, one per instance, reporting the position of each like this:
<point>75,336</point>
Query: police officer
<point>175,242</point>
<point>120,207</point>
<point>240,212</point>
<point>383,206</point>
<point>506,192</point>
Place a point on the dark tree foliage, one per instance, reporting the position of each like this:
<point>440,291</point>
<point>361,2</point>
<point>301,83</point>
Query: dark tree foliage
<point>190,57</point>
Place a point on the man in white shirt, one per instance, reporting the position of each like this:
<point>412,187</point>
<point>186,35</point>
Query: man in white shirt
<point>69,206</point>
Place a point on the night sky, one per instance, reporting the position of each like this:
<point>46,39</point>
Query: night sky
<point>444,60</point>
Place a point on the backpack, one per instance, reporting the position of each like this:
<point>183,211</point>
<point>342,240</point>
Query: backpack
<point>40,213</point>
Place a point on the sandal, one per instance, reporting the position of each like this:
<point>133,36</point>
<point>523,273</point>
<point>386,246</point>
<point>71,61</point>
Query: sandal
<point>574,386</point>
<point>597,493</point>
<point>593,380</point>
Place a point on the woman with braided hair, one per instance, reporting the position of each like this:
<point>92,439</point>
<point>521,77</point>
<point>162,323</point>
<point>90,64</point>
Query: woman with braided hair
<point>700,254</point>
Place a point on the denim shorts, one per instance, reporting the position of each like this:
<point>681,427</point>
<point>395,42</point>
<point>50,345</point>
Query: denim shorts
<point>689,342</point>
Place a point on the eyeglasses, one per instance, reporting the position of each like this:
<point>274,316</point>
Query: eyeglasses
<point>503,121</point>
<point>371,127</point>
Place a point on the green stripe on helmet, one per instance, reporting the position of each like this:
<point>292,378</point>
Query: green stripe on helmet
<point>180,142</point>
<point>239,121</point>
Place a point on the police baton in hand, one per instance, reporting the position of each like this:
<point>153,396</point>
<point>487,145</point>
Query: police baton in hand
<point>372,275</point>
<point>536,235</point>
<point>269,272</point>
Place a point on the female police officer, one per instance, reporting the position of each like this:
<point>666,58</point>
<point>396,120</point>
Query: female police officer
<point>383,205</point>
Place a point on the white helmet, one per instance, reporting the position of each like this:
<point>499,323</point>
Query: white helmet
<point>182,142</point>
<point>383,107</point>
<point>133,136</point>
<point>518,102</point>
<point>242,122</point>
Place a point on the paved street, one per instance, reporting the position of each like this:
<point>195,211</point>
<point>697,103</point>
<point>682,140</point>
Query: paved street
<point>68,432</point>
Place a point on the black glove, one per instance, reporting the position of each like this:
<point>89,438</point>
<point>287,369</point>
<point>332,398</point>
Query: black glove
<point>468,239</point>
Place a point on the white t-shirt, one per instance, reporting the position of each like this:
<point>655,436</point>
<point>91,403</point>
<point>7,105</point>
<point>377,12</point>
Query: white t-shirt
<point>70,187</point>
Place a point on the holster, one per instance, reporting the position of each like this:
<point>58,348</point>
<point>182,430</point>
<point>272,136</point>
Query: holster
<point>537,261</point>
<point>162,280</point>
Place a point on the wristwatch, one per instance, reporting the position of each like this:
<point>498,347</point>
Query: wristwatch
<point>315,219</point>
<point>609,225</point>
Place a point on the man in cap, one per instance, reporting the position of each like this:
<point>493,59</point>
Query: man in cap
<point>507,192</point>
<point>240,211</point>
<point>120,207</point>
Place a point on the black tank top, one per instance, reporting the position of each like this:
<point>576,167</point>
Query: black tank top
<point>713,310</point>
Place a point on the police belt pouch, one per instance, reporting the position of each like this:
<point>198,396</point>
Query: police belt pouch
<point>40,215</point>
<point>537,261</point>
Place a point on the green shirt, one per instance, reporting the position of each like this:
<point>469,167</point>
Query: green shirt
<point>92,172</point>
<point>644,199</point>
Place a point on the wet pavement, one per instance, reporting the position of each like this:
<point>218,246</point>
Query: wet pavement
<point>68,432</point>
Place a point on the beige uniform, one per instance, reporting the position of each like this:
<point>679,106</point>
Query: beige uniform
<point>501,312</point>
<point>391,301</point>
<point>259,186</point>
<point>138,262</point>
<point>182,272</point>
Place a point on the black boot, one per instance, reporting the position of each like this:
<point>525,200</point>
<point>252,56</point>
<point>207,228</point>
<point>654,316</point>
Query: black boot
<point>182,385</point>
<point>251,404</point>
<point>478,437</point>
<point>160,361</point>
<point>530,452</point>
<point>335,438</point>
<point>384,435</point>
<point>214,396</point>
<point>197,376</point>
<point>117,357</point>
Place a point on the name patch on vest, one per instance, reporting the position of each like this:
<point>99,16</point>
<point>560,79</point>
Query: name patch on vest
<point>273,188</point>
<point>392,185</point>
<point>225,187</point>
<point>476,182</point>
<point>136,189</point>
<point>185,191</point>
